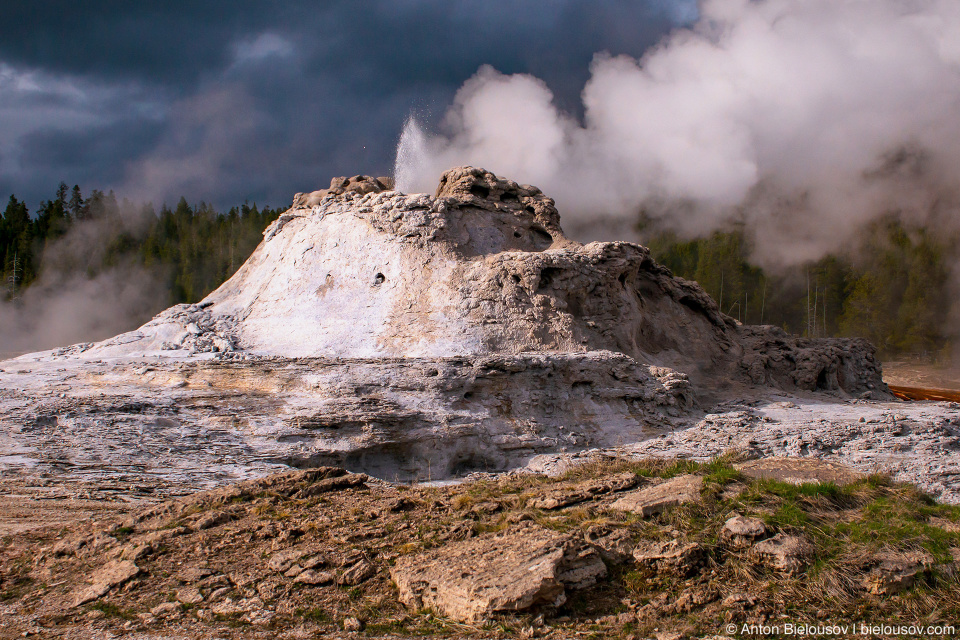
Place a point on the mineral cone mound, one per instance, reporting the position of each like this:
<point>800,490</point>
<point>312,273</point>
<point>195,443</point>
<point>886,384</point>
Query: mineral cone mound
<point>410,335</point>
<point>481,268</point>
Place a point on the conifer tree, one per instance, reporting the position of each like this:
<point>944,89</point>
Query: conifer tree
<point>75,206</point>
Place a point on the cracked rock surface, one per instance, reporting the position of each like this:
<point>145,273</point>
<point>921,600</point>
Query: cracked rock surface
<point>531,566</point>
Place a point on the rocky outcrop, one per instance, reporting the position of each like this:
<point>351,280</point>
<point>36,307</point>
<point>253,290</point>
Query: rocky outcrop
<point>483,267</point>
<point>676,557</point>
<point>340,186</point>
<point>739,532</point>
<point>653,500</point>
<point>774,357</point>
<point>585,491</point>
<point>516,570</point>
<point>320,551</point>
<point>800,470</point>
<point>783,552</point>
<point>895,572</point>
<point>112,574</point>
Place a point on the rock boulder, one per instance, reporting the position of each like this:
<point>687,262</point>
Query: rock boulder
<point>516,570</point>
<point>783,552</point>
<point>895,572</point>
<point>739,532</point>
<point>653,500</point>
<point>110,575</point>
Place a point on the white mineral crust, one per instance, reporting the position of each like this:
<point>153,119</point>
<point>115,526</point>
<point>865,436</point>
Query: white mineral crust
<point>423,337</point>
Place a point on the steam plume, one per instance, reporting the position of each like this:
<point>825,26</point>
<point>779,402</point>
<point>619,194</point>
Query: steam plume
<point>56,312</point>
<point>65,306</point>
<point>802,118</point>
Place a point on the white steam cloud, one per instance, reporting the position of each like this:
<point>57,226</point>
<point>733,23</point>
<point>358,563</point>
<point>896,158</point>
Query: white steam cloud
<point>56,312</point>
<point>65,306</point>
<point>802,118</point>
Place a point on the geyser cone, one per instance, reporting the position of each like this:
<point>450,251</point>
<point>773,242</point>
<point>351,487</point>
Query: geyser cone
<point>482,267</point>
<point>418,335</point>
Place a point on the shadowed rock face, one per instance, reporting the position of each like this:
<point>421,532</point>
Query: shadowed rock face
<point>414,335</point>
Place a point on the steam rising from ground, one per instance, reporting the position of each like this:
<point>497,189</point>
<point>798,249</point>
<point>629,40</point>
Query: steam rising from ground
<point>62,312</point>
<point>65,306</point>
<point>802,118</point>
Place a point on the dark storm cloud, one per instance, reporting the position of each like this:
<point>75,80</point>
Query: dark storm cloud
<point>172,41</point>
<point>89,154</point>
<point>236,100</point>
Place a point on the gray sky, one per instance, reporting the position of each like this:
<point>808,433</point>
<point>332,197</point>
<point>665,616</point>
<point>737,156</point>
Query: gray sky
<point>246,100</point>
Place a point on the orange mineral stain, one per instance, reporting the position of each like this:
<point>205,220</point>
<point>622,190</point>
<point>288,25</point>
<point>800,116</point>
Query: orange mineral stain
<point>921,393</point>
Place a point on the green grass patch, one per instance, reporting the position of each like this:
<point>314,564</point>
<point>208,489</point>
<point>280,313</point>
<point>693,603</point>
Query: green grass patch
<point>315,614</point>
<point>795,492</point>
<point>887,522</point>
<point>875,481</point>
<point>949,512</point>
<point>111,610</point>
<point>721,474</point>
<point>679,468</point>
<point>788,515</point>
